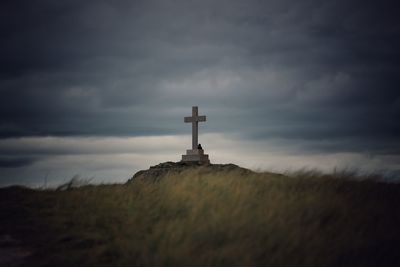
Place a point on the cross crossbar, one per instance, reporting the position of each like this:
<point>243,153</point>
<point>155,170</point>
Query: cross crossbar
<point>198,118</point>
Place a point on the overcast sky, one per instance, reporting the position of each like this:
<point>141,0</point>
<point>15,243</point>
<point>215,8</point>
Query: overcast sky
<point>100,88</point>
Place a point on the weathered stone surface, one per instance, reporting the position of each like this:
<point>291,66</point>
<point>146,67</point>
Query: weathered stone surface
<point>157,172</point>
<point>200,158</point>
<point>195,119</point>
<point>195,154</point>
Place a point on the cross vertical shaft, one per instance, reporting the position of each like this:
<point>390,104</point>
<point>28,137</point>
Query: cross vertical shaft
<point>195,128</point>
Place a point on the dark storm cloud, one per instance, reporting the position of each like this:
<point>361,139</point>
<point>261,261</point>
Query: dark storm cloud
<point>15,162</point>
<point>306,70</point>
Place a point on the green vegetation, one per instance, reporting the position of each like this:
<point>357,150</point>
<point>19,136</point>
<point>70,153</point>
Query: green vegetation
<point>210,219</point>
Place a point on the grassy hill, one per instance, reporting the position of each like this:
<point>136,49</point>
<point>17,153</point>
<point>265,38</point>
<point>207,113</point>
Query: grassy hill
<point>203,218</point>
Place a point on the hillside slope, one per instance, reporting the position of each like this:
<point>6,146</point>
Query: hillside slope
<point>196,217</point>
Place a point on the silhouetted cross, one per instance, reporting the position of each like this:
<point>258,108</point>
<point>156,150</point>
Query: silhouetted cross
<point>195,125</point>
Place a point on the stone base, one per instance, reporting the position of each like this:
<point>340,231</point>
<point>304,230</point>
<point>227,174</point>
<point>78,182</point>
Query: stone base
<point>195,155</point>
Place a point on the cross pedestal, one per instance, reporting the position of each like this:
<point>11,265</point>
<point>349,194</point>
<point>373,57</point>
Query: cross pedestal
<point>195,154</point>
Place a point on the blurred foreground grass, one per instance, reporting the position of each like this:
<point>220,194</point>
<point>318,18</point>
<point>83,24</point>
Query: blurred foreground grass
<point>205,219</point>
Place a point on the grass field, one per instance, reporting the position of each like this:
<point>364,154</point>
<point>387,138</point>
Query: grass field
<point>206,219</point>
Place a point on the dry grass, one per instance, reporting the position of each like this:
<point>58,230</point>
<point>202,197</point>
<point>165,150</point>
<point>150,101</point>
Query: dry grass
<point>197,219</point>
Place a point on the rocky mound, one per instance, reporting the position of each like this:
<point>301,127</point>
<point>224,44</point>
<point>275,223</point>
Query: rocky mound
<point>157,172</point>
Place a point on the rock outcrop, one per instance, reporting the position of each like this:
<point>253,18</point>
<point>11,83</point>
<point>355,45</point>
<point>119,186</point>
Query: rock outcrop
<point>157,172</point>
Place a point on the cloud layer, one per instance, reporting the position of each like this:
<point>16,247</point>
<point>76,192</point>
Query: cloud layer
<point>53,160</point>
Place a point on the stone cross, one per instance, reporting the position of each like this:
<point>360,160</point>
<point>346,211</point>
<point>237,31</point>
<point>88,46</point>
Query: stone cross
<point>195,154</point>
<point>195,125</point>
